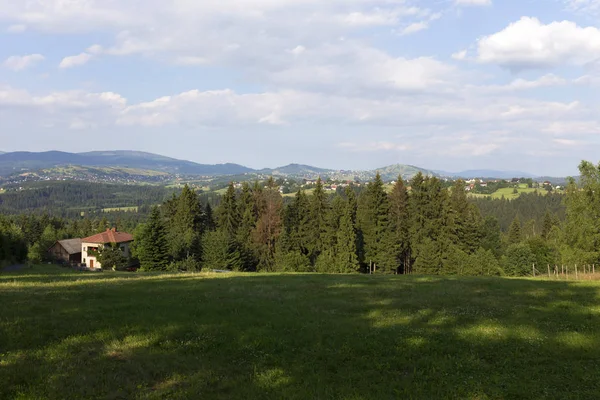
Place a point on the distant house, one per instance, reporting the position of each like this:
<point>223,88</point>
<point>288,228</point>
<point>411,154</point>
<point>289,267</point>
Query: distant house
<point>91,245</point>
<point>66,251</point>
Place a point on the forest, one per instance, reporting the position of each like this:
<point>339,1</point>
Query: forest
<point>419,227</point>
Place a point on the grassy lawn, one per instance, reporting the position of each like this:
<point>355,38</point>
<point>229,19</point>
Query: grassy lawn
<point>508,193</point>
<point>66,335</point>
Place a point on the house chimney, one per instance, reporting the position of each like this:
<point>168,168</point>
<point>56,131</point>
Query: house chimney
<point>114,229</point>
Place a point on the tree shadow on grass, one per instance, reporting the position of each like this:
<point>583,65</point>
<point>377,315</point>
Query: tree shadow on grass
<point>302,336</point>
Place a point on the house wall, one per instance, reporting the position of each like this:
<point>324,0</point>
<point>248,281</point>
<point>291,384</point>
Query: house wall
<point>85,257</point>
<point>59,253</point>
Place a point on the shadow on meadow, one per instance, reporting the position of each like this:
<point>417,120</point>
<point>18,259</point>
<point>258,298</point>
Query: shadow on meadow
<point>300,336</point>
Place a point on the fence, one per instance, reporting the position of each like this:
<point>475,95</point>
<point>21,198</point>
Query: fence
<point>566,272</point>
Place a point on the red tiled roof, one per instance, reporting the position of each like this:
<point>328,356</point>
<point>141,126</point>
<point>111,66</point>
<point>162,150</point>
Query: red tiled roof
<point>110,236</point>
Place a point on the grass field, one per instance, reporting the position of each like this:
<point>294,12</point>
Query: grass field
<point>508,193</point>
<point>232,336</point>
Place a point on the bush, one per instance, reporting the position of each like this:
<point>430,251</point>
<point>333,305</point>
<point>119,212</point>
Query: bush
<point>519,260</point>
<point>189,264</point>
<point>292,261</point>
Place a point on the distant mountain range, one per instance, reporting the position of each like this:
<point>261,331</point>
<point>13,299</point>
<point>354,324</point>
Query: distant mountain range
<point>11,163</point>
<point>22,162</point>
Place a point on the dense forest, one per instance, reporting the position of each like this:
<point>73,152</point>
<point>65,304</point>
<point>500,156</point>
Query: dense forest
<point>70,199</point>
<point>419,227</point>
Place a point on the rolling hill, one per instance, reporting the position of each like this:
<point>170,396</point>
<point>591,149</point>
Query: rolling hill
<point>391,172</point>
<point>15,162</point>
<point>296,170</point>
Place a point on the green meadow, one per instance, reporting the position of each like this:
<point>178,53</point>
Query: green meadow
<point>70,335</point>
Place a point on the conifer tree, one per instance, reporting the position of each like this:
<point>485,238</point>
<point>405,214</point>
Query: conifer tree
<point>514,233</point>
<point>208,223</point>
<point>399,223</point>
<point>346,251</point>
<point>185,226</point>
<point>319,207</point>
<point>150,246</point>
<point>249,218</point>
<point>547,225</point>
<point>228,213</point>
<point>373,218</point>
<point>268,227</point>
<point>429,222</point>
<point>464,219</point>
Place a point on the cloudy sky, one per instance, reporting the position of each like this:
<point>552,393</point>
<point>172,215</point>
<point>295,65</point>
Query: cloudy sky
<point>444,84</point>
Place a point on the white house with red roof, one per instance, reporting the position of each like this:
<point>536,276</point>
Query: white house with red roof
<point>91,245</point>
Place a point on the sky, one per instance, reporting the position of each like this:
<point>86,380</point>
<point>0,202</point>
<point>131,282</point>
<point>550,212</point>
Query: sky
<point>345,84</point>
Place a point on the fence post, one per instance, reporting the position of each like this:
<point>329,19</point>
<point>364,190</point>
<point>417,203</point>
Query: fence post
<point>548,271</point>
<point>576,274</point>
<point>534,270</point>
<point>567,272</point>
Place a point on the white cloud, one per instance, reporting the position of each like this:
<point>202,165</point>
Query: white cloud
<point>18,28</point>
<point>548,80</point>
<point>414,27</point>
<point>460,55</point>
<point>528,43</point>
<point>75,61</point>
<point>19,63</point>
<point>374,146</point>
<point>352,68</point>
<point>257,35</point>
<point>583,6</point>
<point>473,2</point>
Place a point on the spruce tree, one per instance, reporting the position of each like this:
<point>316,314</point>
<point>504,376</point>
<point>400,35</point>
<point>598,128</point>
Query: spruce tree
<point>514,233</point>
<point>346,252</point>
<point>319,207</point>
<point>547,225</point>
<point>185,226</point>
<point>464,219</point>
<point>374,224</point>
<point>228,213</point>
<point>268,227</point>
<point>399,245</point>
<point>151,247</point>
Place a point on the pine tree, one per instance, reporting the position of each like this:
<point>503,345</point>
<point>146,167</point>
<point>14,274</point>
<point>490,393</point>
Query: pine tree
<point>268,227</point>
<point>208,223</point>
<point>151,247</point>
<point>228,213</point>
<point>249,218</point>
<point>319,207</point>
<point>346,252</point>
<point>373,215</point>
<point>514,233</point>
<point>547,225</point>
<point>399,235</point>
<point>464,219</point>
<point>429,222</point>
<point>185,226</point>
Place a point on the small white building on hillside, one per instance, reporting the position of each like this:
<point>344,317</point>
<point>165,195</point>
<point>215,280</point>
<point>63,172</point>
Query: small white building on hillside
<point>91,245</point>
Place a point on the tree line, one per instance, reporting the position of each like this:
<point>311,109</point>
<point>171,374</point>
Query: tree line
<point>420,226</point>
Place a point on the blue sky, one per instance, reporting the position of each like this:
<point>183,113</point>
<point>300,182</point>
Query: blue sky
<point>443,84</point>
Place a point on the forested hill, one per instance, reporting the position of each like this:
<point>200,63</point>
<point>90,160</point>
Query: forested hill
<point>101,166</point>
<point>15,162</point>
<point>70,199</point>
